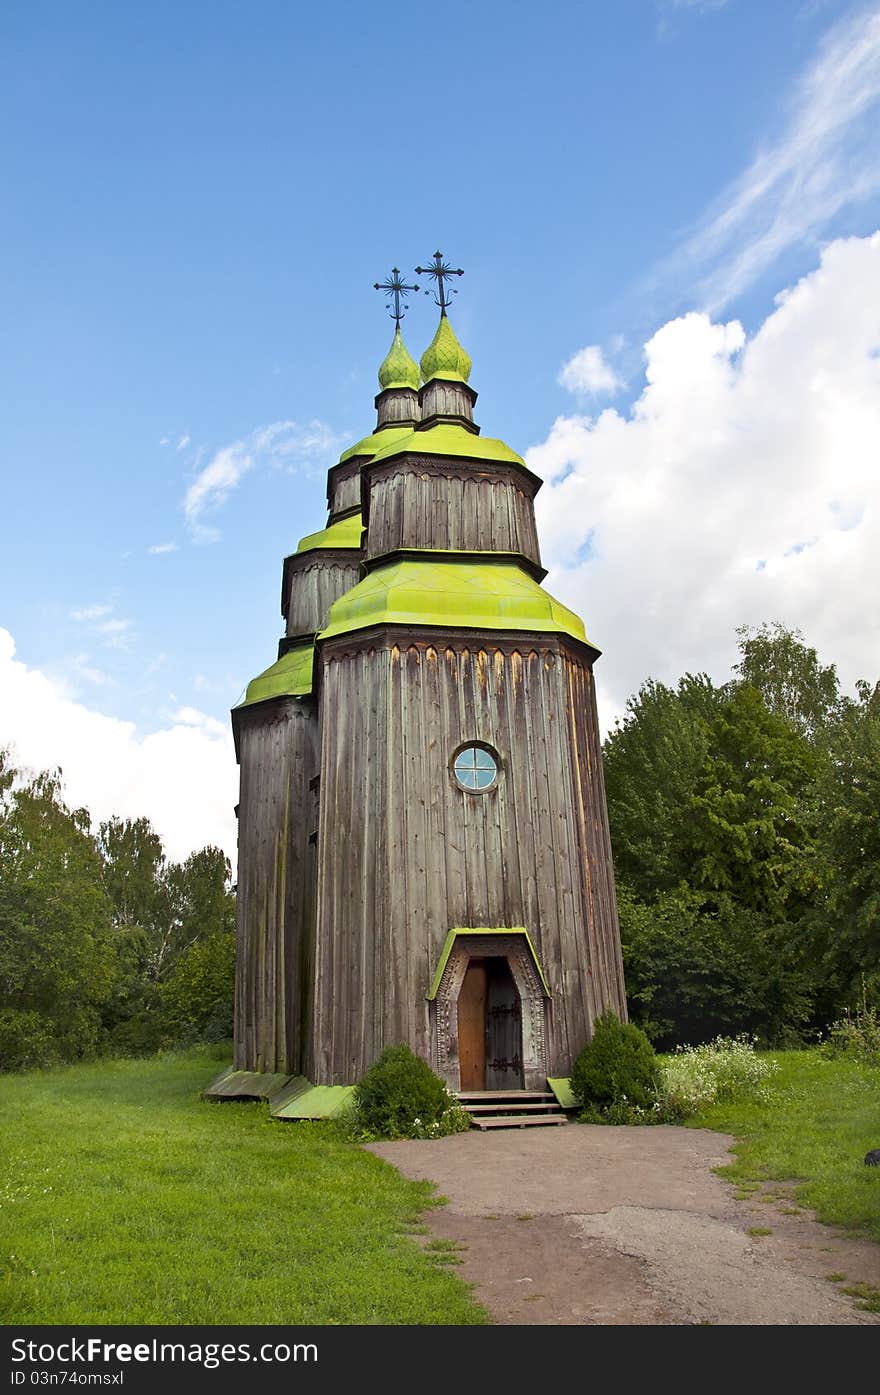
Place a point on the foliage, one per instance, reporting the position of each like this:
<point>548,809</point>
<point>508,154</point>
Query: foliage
<point>102,943</point>
<point>652,762</point>
<point>694,1077</point>
<point>849,804</point>
<point>748,827</point>
<point>160,1207</point>
<point>56,953</point>
<point>401,1097</point>
<point>813,1120</point>
<point>696,970</point>
<point>27,1040</point>
<point>856,1036</point>
<point>747,847</point>
<point>787,673</point>
<point>197,997</point>
<point>616,1067</point>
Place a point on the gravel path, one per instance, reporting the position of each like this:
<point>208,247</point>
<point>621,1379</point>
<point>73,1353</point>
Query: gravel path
<point>595,1225</point>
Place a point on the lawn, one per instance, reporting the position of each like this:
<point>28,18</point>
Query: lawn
<point>125,1198</point>
<point>816,1124</point>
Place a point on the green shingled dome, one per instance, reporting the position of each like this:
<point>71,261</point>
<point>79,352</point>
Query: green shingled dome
<point>444,356</point>
<point>345,532</point>
<point>291,676</point>
<point>370,444</point>
<point>469,595</point>
<point>398,368</point>
<point>447,438</point>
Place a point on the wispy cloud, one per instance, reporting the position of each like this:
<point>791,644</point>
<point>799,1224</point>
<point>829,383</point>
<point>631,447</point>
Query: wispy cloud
<point>826,159</point>
<point>158,549</point>
<point>87,613</point>
<point>286,445</point>
<point>115,631</point>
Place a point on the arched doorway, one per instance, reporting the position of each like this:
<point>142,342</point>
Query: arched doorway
<point>489,1027</point>
<point>494,1012</point>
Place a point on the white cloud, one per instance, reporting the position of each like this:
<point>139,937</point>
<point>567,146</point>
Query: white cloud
<point>184,441</point>
<point>283,444</point>
<point>588,372</point>
<point>158,549</point>
<point>743,486</point>
<point>826,159</point>
<point>182,777</point>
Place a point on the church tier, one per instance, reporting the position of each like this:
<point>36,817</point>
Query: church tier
<point>423,840</point>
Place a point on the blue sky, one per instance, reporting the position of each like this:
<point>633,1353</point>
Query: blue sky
<point>197,200</point>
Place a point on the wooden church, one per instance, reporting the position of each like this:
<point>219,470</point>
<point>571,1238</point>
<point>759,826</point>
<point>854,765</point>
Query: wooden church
<point>423,839</point>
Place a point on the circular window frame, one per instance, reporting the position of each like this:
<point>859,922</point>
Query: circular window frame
<point>479,746</point>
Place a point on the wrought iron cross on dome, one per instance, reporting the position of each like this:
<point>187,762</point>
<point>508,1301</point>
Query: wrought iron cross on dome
<point>440,270</point>
<point>398,290</point>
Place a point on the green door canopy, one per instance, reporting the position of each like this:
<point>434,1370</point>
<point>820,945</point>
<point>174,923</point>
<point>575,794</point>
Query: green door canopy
<point>446,438</point>
<point>453,935</point>
<point>346,532</point>
<point>291,676</point>
<point>452,595</point>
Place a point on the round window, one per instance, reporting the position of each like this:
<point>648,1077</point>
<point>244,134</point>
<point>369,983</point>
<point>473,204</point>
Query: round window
<point>475,767</point>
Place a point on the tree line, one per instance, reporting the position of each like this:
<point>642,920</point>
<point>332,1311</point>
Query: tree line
<point>105,945</point>
<point>746,839</point>
<point>745,825</point>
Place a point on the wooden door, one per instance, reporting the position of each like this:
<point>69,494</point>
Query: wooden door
<point>472,1026</point>
<point>504,1070</point>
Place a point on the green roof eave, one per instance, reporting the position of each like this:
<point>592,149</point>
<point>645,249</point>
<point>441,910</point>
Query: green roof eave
<point>483,930</point>
<point>452,595</point>
<point>345,532</point>
<point>446,438</point>
<point>370,444</point>
<point>289,676</point>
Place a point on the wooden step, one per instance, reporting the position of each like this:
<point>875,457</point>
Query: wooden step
<point>479,1096</point>
<point>518,1121</point>
<point>511,1107</point>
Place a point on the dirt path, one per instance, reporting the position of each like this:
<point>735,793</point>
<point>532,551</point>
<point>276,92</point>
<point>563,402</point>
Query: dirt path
<point>587,1225</point>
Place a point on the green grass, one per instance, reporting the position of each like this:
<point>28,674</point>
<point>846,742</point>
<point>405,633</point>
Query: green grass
<point>127,1199</point>
<point>816,1122</point>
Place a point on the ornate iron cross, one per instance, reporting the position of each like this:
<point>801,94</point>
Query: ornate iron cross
<point>398,290</point>
<point>440,270</point>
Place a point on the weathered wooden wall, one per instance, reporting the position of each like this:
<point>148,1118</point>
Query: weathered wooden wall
<point>429,503</point>
<point>313,581</point>
<point>344,487</point>
<point>278,748</point>
<point>404,854</point>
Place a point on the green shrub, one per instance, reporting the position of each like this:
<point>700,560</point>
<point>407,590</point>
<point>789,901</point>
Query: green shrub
<point>26,1040</point>
<point>857,1037</point>
<point>616,1068</point>
<point>401,1097</point>
<point>696,1076</point>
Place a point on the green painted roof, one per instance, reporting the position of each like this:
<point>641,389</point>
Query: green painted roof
<point>299,1099</point>
<point>444,356</point>
<point>446,438</point>
<point>398,368</point>
<point>561,1087</point>
<point>345,532</point>
<point>291,676</point>
<point>471,595</point>
<point>370,444</point>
